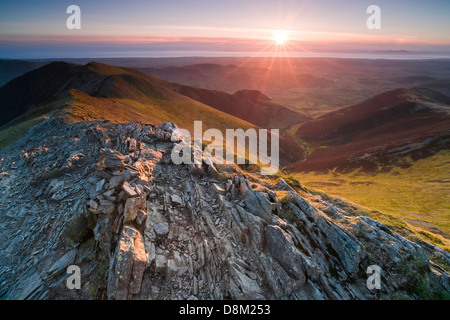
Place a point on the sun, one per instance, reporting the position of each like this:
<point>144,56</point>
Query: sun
<point>280,37</point>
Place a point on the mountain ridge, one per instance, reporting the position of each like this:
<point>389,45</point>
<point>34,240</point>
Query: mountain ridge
<point>413,121</point>
<point>97,91</point>
<point>106,198</point>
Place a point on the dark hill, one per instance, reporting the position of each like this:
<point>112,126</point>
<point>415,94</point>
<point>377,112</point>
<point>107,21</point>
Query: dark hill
<point>10,69</point>
<point>42,85</point>
<point>250,105</point>
<point>403,121</point>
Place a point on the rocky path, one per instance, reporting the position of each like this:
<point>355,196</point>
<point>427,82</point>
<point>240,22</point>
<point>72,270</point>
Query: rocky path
<point>108,199</point>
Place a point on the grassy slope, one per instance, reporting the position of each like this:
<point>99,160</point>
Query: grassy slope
<point>419,194</point>
<point>13,133</point>
<point>181,112</point>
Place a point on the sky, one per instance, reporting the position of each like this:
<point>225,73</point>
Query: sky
<point>37,29</point>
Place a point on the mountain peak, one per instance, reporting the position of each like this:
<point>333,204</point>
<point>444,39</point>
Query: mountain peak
<point>103,69</point>
<point>254,95</point>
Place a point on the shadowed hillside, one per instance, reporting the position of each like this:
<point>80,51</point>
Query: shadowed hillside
<point>250,105</point>
<point>413,121</point>
<point>101,92</point>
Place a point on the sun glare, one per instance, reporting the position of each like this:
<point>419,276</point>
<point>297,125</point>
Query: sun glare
<point>280,36</point>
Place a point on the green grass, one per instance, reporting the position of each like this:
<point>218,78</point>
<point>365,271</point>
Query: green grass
<point>13,133</point>
<point>418,195</point>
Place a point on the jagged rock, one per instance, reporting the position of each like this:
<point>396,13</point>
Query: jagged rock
<point>141,217</point>
<point>257,203</point>
<point>99,186</point>
<point>126,187</point>
<point>118,180</point>
<point>281,247</point>
<point>106,207</point>
<point>125,276</point>
<point>139,264</point>
<point>102,232</point>
<point>160,263</point>
<point>171,268</point>
<point>283,185</point>
<point>304,206</point>
<point>77,229</point>
<point>243,186</point>
<point>62,264</point>
<point>93,204</point>
<point>201,238</point>
<point>243,286</point>
<point>234,192</point>
<point>132,207</point>
<point>176,199</point>
<point>168,126</point>
<point>348,249</point>
<point>110,159</point>
<point>132,145</point>
<point>108,193</point>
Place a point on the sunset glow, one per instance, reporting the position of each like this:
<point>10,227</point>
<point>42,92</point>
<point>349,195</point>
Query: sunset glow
<point>157,28</point>
<point>280,36</point>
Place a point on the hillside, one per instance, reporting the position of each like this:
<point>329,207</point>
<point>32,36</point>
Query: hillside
<point>101,92</point>
<point>10,69</point>
<point>250,105</point>
<point>378,131</point>
<point>231,78</point>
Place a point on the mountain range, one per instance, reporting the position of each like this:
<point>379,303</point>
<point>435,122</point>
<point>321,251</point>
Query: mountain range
<point>376,131</point>
<point>99,91</point>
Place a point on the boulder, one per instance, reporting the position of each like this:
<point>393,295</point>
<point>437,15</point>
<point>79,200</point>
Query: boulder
<point>141,217</point>
<point>162,229</point>
<point>132,207</point>
<point>176,199</point>
<point>106,206</point>
<point>126,187</point>
<point>116,181</point>
<point>110,159</point>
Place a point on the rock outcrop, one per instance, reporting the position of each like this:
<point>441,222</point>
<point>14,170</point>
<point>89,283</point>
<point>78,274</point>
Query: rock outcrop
<point>107,198</point>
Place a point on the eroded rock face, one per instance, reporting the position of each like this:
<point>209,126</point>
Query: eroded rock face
<point>282,248</point>
<point>125,276</point>
<point>140,227</point>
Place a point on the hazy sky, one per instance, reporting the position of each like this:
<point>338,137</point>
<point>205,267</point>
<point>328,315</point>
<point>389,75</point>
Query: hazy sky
<point>137,27</point>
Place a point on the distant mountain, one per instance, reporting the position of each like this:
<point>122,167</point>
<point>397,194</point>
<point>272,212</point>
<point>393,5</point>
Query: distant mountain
<point>413,121</point>
<point>231,78</point>
<point>10,69</point>
<point>440,84</point>
<point>98,91</point>
<point>250,105</point>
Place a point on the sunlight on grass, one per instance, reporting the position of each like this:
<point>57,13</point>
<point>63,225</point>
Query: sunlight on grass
<point>419,194</point>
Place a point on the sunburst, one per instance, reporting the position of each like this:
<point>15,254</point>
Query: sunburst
<point>280,37</point>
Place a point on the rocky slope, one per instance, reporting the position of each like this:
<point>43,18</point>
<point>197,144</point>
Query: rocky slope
<point>107,198</point>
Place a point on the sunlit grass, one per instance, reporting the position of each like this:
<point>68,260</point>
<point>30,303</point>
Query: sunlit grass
<point>183,113</point>
<point>420,195</point>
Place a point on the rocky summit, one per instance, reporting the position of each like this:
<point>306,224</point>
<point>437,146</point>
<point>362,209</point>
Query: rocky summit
<point>107,198</point>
